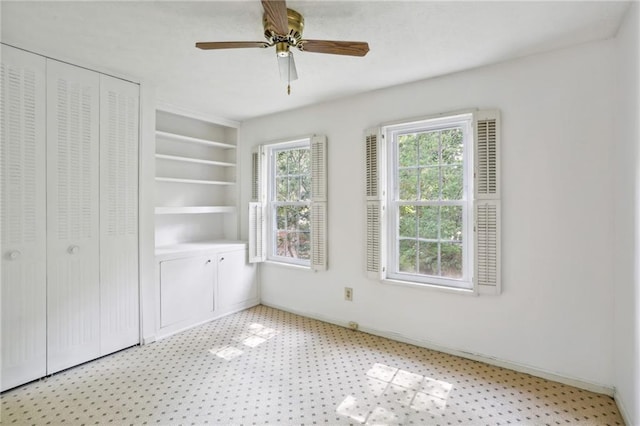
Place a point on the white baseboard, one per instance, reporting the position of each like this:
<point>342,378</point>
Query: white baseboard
<point>623,411</point>
<point>582,384</point>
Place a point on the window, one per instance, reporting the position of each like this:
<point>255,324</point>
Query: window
<point>429,200</point>
<point>429,221</point>
<point>287,217</point>
<point>289,202</point>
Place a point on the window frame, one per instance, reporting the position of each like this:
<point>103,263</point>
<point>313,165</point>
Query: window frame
<point>391,203</point>
<point>272,204</point>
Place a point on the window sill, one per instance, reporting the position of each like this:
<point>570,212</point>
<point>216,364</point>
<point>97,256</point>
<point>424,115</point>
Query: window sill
<point>287,265</point>
<point>431,287</point>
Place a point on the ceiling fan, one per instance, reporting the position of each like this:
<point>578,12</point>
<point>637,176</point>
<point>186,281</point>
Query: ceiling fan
<point>283,29</point>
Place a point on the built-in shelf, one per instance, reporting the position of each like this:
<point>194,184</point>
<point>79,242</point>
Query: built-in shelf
<point>194,160</point>
<point>198,181</point>
<point>195,209</point>
<point>182,138</point>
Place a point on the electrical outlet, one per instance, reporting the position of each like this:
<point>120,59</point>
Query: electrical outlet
<point>348,294</point>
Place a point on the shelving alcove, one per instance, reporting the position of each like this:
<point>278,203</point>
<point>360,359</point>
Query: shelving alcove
<point>202,269</point>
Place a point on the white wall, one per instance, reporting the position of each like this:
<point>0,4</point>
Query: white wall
<point>556,310</point>
<point>627,220</point>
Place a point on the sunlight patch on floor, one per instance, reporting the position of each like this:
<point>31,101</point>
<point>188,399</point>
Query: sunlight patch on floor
<point>394,393</point>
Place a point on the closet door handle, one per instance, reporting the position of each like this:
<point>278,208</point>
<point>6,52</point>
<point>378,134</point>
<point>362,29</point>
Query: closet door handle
<point>73,249</point>
<point>14,255</point>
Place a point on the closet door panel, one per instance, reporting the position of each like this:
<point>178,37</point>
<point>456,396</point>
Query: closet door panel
<point>73,288</point>
<point>119,302</point>
<point>23,217</point>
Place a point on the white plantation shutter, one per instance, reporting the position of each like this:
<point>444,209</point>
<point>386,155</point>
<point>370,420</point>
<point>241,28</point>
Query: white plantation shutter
<point>487,201</point>
<point>256,169</point>
<point>374,191</point>
<point>257,246</point>
<point>319,203</point>
<point>257,230</point>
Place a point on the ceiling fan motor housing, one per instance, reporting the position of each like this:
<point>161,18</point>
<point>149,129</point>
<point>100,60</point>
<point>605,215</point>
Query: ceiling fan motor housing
<point>283,41</point>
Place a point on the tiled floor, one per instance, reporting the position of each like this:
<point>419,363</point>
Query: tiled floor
<point>264,366</point>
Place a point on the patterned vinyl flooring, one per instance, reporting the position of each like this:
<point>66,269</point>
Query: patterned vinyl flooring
<point>265,366</point>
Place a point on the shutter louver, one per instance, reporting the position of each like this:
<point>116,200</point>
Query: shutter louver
<point>374,243</point>
<point>257,242</point>
<point>319,236</point>
<point>257,248</point>
<point>319,203</point>
<point>372,166</point>
<point>256,167</point>
<point>487,202</point>
<point>319,168</point>
<point>488,244</point>
<point>374,193</point>
<point>487,155</point>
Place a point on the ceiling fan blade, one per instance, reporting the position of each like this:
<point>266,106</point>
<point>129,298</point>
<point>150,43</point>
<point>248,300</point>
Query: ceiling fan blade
<point>350,48</point>
<point>276,14</point>
<point>287,68</point>
<point>207,45</point>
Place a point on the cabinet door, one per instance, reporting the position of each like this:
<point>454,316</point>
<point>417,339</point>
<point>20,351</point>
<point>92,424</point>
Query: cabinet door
<point>22,125</point>
<point>186,289</point>
<point>119,306</point>
<point>236,281</point>
<point>73,289</point>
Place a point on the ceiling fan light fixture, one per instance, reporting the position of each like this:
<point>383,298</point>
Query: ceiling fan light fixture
<point>282,49</point>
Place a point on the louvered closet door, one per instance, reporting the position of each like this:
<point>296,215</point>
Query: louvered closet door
<point>22,126</point>
<point>119,307</point>
<point>73,291</point>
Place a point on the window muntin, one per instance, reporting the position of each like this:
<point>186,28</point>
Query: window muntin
<point>289,197</point>
<point>430,200</point>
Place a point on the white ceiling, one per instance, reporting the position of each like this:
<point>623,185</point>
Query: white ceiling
<point>409,41</point>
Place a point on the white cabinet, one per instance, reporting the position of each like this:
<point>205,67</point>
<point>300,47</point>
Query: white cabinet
<point>69,215</point>
<point>203,281</point>
<point>186,290</point>
<point>236,283</point>
<point>196,193</point>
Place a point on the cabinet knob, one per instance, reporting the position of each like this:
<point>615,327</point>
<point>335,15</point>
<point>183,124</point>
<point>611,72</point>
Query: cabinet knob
<point>208,260</point>
<point>221,259</point>
<point>73,249</point>
<point>14,255</point>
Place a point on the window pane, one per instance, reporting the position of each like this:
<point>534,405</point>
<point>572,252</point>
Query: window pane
<point>281,217</point>
<point>452,182</point>
<point>429,148</point>
<point>451,223</point>
<point>304,245</point>
<point>304,165</point>
<point>451,260</point>
<point>428,258</point>
<point>407,256</point>
<point>281,189</point>
<point>408,184</point>
<point>429,183</point>
<point>293,161</point>
<point>305,188</point>
<point>451,145</point>
<point>407,150</point>
<point>407,221</point>
<point>281,162</point>
<point>303,219</point>
<point>294,189</point>
<point>428,222</point>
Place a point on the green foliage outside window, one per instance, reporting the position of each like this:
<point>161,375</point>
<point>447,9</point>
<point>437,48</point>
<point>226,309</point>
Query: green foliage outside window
<point>430,195</point>
<point>292,194</point>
